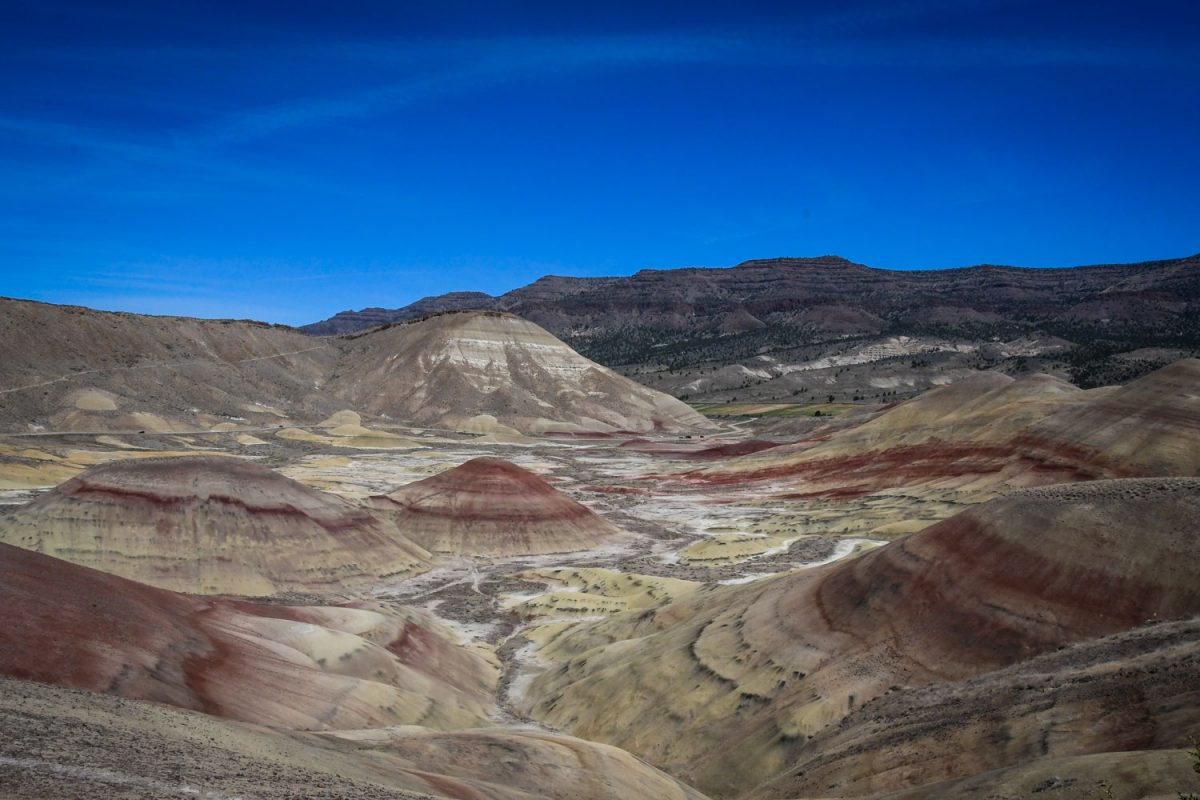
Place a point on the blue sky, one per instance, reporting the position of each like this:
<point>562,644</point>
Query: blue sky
<point>284,161</point>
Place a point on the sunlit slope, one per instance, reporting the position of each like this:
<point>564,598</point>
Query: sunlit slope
<point>486,371</point>
<point>76,369</point>
<point>72,368</point>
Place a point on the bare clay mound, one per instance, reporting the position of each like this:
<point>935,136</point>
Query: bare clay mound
<point>312,668</point>
<point>209,525</point>
<point>772,669</point>
<point>489,506</point>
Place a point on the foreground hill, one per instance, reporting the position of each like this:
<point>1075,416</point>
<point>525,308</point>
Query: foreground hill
<point>212,525</point>
<point>74,369</point>
<point>733,685</point>
<point>161,658</point>
<point>492,507</point>
<point>812,327</point>
<point>299,667</point>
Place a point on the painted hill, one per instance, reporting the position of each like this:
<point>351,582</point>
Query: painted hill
<point>297,667</point>
<point>990,432</point>
<point>1111,708</point>
<point>488,372</point>
<point>1148,427</point>
<point>731,685</point>
<point>212,524</point>
<point>489,506</point>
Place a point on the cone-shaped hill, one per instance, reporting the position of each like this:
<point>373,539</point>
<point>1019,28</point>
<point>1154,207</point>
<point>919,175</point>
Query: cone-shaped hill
<point>211,525</point>
<point>772,666</point>
<point>489,506</point>
<point>486,371</point>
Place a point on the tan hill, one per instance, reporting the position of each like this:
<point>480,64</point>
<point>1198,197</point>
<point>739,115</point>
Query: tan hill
<point>212,524</point>
<point>986,408</point>
<point>71,368</point>
<point>63,744</point>
<point>489,506</point>
<point>298,667</point>
<point>74,369</point>
<point>487,371</point>
<point>731,684</point>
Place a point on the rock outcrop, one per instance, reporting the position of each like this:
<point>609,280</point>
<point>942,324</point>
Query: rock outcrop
<point>805,328</point>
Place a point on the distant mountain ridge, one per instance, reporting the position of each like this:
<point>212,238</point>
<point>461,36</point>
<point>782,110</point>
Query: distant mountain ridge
<point>774,328</point>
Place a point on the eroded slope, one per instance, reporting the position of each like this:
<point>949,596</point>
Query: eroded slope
<point>729,684</point>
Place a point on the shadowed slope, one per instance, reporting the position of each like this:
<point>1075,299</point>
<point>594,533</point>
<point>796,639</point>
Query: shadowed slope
<point>489,506</point>
<point>1136,690</point>
<point>58,743</point>
<point>728,685</point>
<point>299,667</point>
<point>211,524</point>
<point>481,372</point>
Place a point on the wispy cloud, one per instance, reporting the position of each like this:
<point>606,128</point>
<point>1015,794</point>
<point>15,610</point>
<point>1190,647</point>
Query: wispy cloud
<point>473,66</point>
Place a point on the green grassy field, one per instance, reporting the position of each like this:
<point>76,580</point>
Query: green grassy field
<point>771,409</point>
